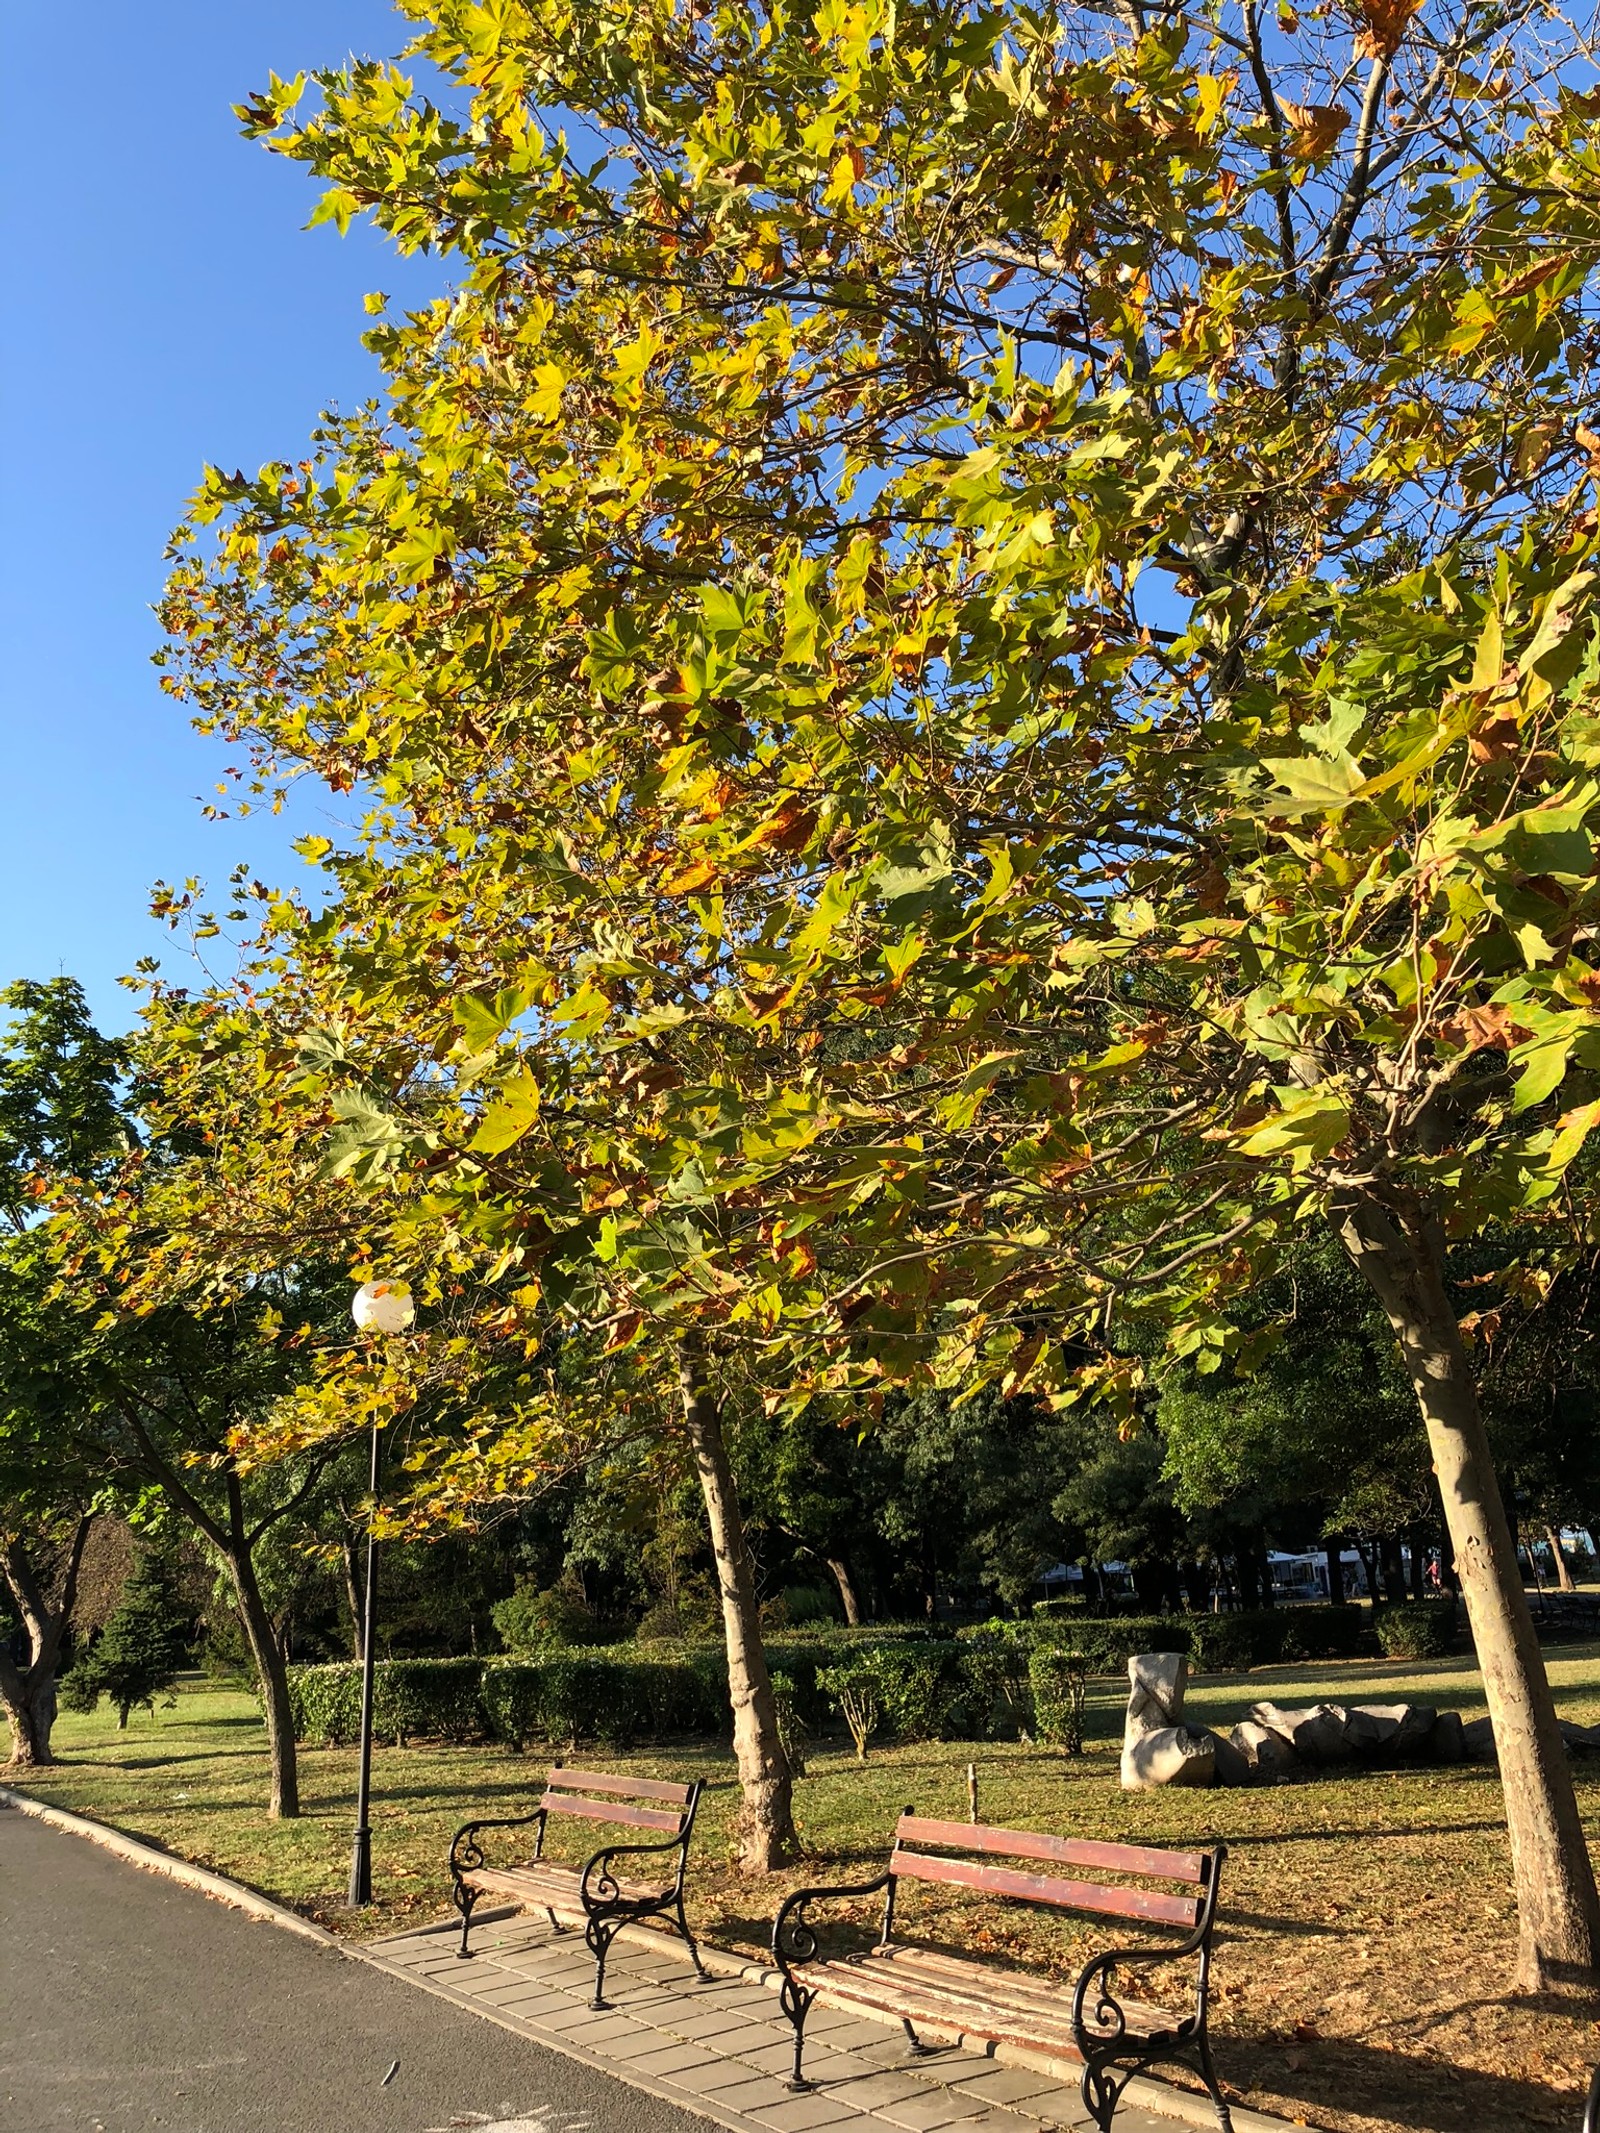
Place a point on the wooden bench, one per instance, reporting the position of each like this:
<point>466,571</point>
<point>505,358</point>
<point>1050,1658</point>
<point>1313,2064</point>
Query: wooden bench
<point>921,1986</point>
<point>594,1895</point>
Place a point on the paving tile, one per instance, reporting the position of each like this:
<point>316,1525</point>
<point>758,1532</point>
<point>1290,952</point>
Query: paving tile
<point>749,2095</point>
<point>811,2114</point>
<point>1013,2084</point>
<point>669,2059</point>
<point>932,2108</point>
<point>872,2091</point>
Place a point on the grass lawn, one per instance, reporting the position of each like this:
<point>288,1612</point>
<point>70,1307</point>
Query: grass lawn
<point>1367,1926</point>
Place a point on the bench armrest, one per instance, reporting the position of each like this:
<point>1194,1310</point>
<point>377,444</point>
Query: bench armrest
<point>598,1886</point>
<point>794,1938</point>
<point>466,1852</point>
<point>1095,1978</point>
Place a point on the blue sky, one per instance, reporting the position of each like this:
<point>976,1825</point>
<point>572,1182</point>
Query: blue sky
<point>164,305</point>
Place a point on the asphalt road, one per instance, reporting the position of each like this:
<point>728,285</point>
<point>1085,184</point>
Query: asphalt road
<point>128,2002</point>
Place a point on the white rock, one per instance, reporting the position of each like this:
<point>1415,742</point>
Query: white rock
<point>1169,1755</point>
<point>1157,1681</point>
<point>1268,1753</point>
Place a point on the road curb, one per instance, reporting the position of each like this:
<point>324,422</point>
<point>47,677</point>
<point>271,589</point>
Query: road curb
<point>138,1852</point>
<point>1155,2096</point>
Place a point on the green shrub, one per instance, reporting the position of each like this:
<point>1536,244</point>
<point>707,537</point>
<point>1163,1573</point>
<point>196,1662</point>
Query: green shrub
<point>1324,1632</point>
<point>1417,1629</point>
<point>616,1696</point>
<point>427,1699</point>
<point>412,1699</point>
<point>856,1684</point>
<point>1059,1679</point>
<point>325,1703</point>
<point>1106,1644</point>
<point>534,1621</point>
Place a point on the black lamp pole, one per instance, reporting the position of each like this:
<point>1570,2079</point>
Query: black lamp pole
<point>361,1854</point>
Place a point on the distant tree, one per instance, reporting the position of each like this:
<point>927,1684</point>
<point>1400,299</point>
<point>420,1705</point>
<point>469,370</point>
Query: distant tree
<point>61,1114</point>
<point>139,1653</point>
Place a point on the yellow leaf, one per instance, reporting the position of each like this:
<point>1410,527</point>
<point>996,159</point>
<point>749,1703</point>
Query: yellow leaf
<point>692,877</point>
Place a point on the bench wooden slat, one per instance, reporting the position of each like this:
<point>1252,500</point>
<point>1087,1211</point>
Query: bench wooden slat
<point>1069,1851</point>
<point>972,1997</point>
<point>553,1887</point>
<point>568,1803</point>
<point>1151,1904</point>
<point>602,1781</point>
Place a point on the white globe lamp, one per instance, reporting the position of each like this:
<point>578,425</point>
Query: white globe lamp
<point>383,1307</point>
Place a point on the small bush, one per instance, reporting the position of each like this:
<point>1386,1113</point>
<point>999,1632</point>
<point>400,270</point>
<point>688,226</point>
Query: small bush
<point>791,1732</point>
<point>534,1621</point>
<point>856,1685</point>
<point>1417,1629</point>
<point>1060,1681</point>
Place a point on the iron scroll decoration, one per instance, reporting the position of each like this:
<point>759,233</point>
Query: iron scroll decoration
<point>794,1942</point>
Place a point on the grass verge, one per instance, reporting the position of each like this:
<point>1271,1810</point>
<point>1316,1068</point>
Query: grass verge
<point>1368,1924</point>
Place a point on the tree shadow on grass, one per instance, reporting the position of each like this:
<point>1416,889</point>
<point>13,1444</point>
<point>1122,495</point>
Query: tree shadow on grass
<point>1423,2095</point>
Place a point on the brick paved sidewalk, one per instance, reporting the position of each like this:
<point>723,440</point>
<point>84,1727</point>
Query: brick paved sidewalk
<point>725,2050</point>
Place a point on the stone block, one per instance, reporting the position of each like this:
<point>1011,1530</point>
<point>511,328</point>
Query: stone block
<point>1319,1734</point>
<point>1156,1685</point>
<point>1172,1755</point>
<point>1268,1754</point>
<point>1232,1764</point>
<point>1445,1744</point>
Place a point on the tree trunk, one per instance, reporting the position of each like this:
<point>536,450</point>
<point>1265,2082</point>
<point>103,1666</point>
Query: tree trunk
<point>849,1598</point>
<point>1418,1540</point>
<point>1399,1248</point>
<point>1333,1548</point>
<point>766,1824</point>
<point>29,1699</point>
<point>1369,1571</point>
<point>1394,1570</point>
<point>283,1799</point>
<point>1558,1557</point>
<point>30,1743</point>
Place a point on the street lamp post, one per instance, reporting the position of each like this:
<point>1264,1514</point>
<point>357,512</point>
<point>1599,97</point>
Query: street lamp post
<point>378,1307</point>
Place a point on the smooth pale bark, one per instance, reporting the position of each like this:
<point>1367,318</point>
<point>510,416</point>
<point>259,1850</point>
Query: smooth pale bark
<point>849,1599</point>
<point>767,1838</point>
<point>1398,1245</point>
<point>1558,1556</point>
<point>28,1697</point>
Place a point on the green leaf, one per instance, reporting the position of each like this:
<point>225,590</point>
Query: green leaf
<point>508,1117</point>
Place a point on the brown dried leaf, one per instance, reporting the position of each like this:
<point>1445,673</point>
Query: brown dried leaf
<point>1386,24</point>
<point>1316,128</point>
<point>1482,1029</point>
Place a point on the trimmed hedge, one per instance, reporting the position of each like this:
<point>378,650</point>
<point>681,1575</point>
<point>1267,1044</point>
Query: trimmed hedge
<point>932,1688</point>
<point>979,1685</point>
<point>1266,1636</point>
<point>1417,1629</point>
<point>412,1699</point>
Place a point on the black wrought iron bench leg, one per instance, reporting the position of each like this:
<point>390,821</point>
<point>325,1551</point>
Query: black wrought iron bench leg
<point>465,1900</point>
<point>795,2001</point>
<point>700,1969</point>
<point>1209,2074</point>
<point>600,1933</point>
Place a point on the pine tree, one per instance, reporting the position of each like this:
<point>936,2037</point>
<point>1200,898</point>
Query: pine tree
<point>141,1648</point>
